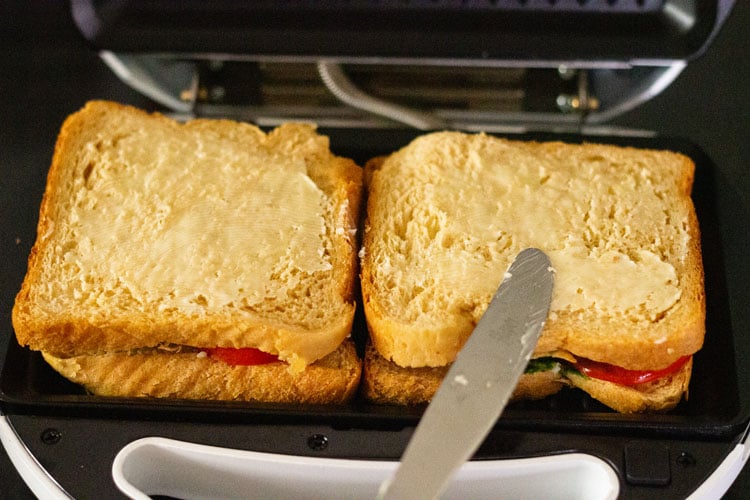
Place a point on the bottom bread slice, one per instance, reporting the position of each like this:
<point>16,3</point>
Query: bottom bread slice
<point>386,382</point>
<point>158,374</point>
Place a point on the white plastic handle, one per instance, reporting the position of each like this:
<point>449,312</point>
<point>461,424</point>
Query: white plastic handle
<point>725,474</point>
<point>158,466</point>
<point>33,474</point>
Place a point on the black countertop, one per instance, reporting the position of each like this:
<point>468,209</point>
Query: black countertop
<point>48,72</point>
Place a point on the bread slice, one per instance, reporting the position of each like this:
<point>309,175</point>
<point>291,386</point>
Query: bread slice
<point>385,382</point>
<point>208,233</point>
<point>447,214</point>
<point>191,375</point>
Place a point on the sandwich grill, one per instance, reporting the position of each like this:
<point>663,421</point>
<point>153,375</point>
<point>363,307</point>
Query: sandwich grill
<point>525,69</point>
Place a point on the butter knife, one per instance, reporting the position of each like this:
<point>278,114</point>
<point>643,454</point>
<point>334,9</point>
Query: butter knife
<point>479,384</point>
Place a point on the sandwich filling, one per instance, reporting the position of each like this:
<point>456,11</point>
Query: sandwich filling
<point>603,371</point>
<point>241,357</point>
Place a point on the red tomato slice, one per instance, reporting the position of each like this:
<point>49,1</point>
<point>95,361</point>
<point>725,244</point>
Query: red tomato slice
<point>619,375</point>
<point>246,356</point>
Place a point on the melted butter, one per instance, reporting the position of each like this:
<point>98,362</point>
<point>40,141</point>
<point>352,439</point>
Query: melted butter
<point>614,281</point>
<point>504,205</point>
<point>222,225</point>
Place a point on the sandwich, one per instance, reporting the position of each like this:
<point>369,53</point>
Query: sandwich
<point>447,214</point>
<point>203,260</point>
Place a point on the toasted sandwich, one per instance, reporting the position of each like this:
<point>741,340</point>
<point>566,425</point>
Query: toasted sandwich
<point>205,259</point>
<point>445,217</point>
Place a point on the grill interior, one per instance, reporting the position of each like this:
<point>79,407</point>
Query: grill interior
<point>714,410</point>
<point>268,92</point>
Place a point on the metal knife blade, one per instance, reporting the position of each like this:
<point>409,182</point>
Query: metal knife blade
<point>480,382</point>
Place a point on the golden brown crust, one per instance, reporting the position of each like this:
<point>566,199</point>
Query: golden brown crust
<point>539,385</point>
<point>385,382</point>
<point>158,374</point>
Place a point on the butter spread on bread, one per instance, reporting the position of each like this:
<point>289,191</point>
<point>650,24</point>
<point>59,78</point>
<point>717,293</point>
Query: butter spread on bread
<point>447,213</point>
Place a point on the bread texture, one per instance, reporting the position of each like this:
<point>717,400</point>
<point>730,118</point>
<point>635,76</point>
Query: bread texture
<point>447,214</point>
<point>209,233</point>
<point>385,382</point>
<point>155,373</point>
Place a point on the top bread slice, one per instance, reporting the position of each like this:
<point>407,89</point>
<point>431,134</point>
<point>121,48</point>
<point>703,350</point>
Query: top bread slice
<point>208,233</point>
<point>447,214</point>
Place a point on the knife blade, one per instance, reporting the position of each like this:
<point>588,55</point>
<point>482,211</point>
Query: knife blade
<point>480,382</point>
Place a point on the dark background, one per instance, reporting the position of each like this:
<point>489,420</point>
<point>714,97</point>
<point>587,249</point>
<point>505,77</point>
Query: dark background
<point>48,72</point>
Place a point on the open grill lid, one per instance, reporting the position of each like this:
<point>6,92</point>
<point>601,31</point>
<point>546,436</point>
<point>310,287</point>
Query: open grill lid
<point>476,31</point>
<point>494,65</point>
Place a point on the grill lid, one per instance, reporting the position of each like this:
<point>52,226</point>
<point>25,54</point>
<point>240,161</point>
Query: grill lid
<point>479,31</point>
